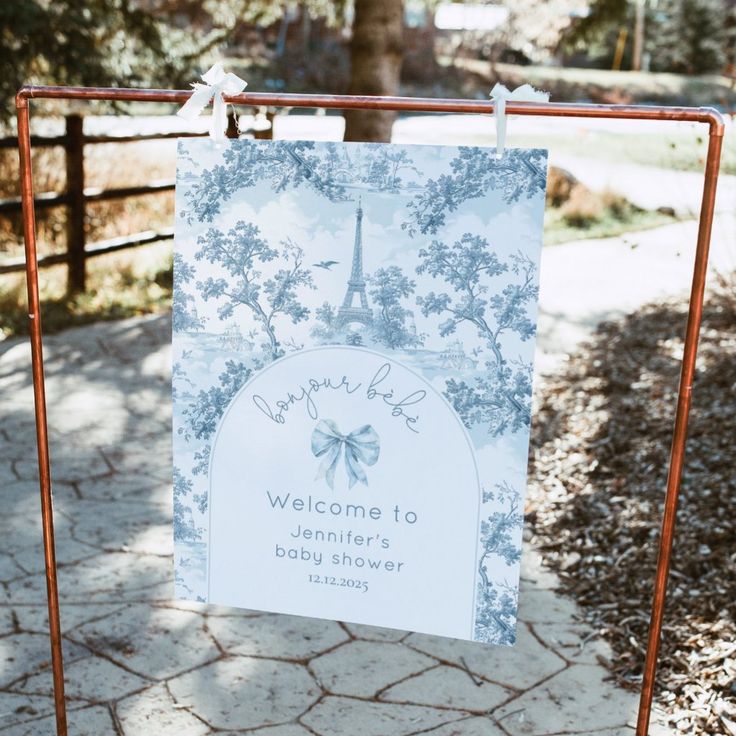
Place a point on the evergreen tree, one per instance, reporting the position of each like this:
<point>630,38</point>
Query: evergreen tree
<point>682,36</point>
<point>690,36</point>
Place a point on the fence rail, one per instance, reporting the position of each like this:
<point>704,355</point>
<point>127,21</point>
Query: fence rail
<point>76,196</point>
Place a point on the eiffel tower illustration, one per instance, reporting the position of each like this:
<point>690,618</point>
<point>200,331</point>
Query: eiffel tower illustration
<point>356,284</point>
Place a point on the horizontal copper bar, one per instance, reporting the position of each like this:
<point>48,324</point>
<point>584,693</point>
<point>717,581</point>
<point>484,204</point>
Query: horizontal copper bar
<point>707,115</point>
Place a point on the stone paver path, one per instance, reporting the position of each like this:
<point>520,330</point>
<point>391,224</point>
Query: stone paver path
<point>139,663</point>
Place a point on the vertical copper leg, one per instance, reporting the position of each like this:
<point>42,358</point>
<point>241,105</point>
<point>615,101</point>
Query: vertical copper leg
<point>677,452</point>
<point>39,395</point>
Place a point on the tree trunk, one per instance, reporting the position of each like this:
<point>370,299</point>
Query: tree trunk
<point>376,53</point>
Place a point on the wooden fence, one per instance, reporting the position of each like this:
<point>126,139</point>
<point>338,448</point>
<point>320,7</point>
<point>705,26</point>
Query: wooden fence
<point>76,196</point>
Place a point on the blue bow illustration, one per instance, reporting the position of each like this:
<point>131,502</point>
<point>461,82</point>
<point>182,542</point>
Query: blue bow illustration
<point>361,446</point>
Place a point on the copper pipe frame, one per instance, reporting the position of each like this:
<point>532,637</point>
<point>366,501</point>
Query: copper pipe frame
<point>705,115</point>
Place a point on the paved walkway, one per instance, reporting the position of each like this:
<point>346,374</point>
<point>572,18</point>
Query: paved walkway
<point>140,663</point>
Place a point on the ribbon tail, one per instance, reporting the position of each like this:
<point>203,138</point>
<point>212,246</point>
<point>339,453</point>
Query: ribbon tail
<point>219,117</point>
<point>500,113</point>
<point>500,95</point>
<point>196,103</point>
<point>328,466</point>
<point>527,93</point>
<point>354,468</point>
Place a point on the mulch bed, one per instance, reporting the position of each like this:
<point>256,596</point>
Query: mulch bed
<point>598,468</point>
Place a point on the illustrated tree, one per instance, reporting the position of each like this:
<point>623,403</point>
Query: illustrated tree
<point>385,166</point>
<point>282,164</point>
<point>291,165</point>
<point>399,161</point>
<point>239,252</point>
<point>184,527</point>
<point>501,398</point>
<point>178,377</point>
<point>475,171</point>
<point>376,53</point>
<point>388,286</point>
<point>202,414</point>
<point>326,326</point>
<point>184,315</point>
<point>497,604</point>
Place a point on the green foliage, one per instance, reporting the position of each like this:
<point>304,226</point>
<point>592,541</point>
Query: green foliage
<point>118,287</point>
<point>602,16</point>
<point>95,43</point>
<point>681,36</point>
<point>690,36</point>
<point>126,42</point>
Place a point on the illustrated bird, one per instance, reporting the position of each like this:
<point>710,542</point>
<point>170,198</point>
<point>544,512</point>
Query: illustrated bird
<point>327,265</point>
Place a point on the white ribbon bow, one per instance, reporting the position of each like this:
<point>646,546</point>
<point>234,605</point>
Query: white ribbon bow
<point>218,83</point>
<point>499,94</point>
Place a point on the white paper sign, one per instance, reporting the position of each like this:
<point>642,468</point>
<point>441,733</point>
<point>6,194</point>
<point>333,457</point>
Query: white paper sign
<point>353,341</point>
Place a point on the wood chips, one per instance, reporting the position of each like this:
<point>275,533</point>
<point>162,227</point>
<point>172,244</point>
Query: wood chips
<point>598,466</point>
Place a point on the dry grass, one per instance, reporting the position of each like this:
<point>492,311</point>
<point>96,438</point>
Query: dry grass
<point>574,211</point>
<point>119,285</point>
<point>106,166</point>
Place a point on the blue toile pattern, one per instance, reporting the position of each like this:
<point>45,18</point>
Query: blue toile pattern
<point>428,254</point>
<point>495,620</point>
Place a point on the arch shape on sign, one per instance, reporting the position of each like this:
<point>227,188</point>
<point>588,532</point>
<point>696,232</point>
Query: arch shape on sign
<point>343,485</point>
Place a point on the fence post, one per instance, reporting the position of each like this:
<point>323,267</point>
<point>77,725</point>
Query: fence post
<point>76,275</point>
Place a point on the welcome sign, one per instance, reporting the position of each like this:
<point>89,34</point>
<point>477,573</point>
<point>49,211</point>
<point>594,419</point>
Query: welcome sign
<point>353,342</point>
